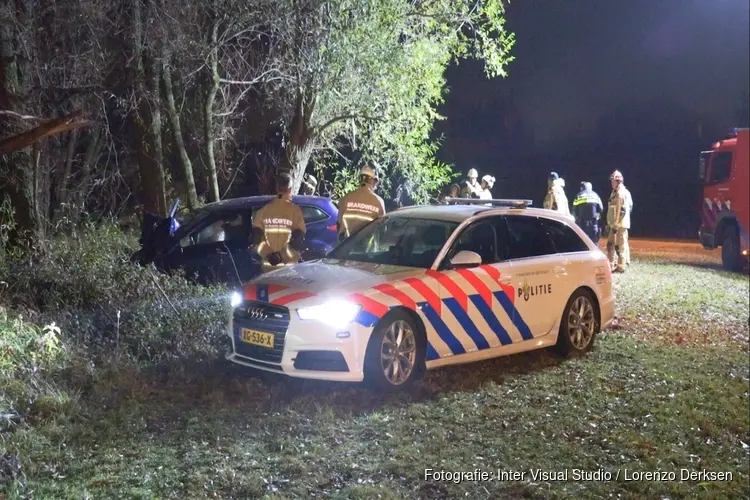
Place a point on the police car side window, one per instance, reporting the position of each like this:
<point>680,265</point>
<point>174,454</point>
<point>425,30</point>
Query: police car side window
<point>527,237</point>
<point>564,237</point>
<point>480,237</point>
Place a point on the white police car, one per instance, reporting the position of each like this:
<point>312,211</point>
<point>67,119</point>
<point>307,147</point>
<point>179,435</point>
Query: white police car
<point>425,287</point>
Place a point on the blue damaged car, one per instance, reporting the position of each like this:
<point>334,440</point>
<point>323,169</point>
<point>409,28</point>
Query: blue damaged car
<point>213,243</point>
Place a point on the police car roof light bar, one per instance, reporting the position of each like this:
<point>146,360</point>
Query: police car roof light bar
<point>496,202</point>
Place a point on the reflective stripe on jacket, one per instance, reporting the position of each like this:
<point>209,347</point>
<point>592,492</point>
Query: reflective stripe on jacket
<point>358,208</point>
<point>587,207</point>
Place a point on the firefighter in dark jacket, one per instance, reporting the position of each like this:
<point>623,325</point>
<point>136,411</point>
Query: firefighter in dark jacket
<point>587,209</point>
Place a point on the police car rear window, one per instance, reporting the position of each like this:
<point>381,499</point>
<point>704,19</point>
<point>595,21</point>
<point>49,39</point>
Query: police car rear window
<point>564,237</point>
<point>528,238</point>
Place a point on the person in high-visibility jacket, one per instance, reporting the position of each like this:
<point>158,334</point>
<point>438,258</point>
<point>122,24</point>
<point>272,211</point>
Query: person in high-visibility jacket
<point>587,210</point>
<point>556,199</point>
<point>486,186</point>
<point>618,223</point>
<point>361,206</point>
<point>279,228</point>
<point>471,187</point>
<point>630,211</point>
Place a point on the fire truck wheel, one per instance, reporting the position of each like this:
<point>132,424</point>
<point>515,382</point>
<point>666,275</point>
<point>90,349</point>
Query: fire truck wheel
<point>730,251</point>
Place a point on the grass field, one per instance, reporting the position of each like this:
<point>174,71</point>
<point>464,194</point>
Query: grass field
<point>666,389</point>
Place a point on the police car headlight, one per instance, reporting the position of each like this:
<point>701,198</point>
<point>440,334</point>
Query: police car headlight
<point>236,299</point>
<point>336,313</point>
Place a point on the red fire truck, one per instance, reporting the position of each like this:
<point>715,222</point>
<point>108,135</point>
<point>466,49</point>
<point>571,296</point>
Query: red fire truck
<point>725,219</point>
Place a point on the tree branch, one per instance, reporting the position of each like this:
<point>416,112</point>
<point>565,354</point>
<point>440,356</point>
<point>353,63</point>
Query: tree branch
<point>20,116</point>
<point>260,78</point>
<point>46,129</point>
<point>337,119</point>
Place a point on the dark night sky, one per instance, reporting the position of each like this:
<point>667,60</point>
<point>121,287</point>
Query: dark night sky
<point>577,60</point>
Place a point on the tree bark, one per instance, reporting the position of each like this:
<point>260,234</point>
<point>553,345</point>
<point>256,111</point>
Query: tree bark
<point>146,147</point>
<point>298,153</point>
<point>156,135</point>
<point>301,141</point>
<point>174,118</point>
<point>16,169</point>
<point>62,188</point>
<point>147,195</point>
<point>213,88</point>
<point>94,148</point>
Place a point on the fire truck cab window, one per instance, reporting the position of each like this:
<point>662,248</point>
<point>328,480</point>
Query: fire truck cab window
<point>721,168</point>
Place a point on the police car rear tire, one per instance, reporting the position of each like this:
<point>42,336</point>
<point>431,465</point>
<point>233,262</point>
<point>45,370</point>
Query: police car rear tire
<point>578,325</point>
<point>395,354</point>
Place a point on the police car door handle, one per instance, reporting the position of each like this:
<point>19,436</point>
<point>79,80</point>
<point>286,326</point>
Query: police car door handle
<point>506,279</point>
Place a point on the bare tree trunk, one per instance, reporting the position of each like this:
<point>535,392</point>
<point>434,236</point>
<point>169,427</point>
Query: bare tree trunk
<point>213,88</point>
<point>174,118</point>
<point>298,154</point>
<point>147,165</point>
<point>36,189</point>
<point>62,187</point>
<point>16,169</point>
<point>94,150</point>
<point>301,141</point>
<point>161,184</point>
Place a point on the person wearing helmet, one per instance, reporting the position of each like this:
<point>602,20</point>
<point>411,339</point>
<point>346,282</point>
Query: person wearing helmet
<point>279,228</point>
<point>587,210</point>
<point>630,211</point>
<point>471,187</point>
<point>361,206</point>
<point>618,222</point>
<point>485,187</point>
<point>556,199</point>
<point>309,185</point>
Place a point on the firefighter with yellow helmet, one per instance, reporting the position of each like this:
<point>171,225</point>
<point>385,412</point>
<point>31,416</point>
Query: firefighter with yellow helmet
<point>361,206</point>
<point>619,205</point>
<point>279,228</point>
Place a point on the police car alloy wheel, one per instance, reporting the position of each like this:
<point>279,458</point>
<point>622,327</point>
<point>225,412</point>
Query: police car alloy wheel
<point>395,352</point>
<point>579,324</point>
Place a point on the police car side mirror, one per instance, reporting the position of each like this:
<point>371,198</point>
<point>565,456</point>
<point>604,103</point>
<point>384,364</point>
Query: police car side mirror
<point>465,258</point>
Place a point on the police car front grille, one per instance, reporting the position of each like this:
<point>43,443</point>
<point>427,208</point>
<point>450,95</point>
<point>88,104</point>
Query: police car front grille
<point>262,317</point>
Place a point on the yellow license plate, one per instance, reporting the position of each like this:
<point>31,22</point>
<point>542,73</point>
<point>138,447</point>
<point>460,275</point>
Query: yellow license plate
<point>255,337</point>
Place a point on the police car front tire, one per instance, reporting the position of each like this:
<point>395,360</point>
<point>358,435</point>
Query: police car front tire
<point>579,324</point>
<point>395,354</point>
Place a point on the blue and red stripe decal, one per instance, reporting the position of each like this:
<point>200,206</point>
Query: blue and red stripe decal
<point>431,307</point>
<point>442,330</point>
<point>262,291</point>
<point>453,289</point>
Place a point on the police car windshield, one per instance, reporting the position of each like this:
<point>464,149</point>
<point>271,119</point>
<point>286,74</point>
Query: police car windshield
<point>397,241</point>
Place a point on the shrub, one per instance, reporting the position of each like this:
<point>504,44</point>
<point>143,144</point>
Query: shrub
<point>28,355</point>
<point>85,282</point>
<point>26,349</point>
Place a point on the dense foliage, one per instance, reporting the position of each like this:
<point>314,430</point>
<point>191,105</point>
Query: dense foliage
<point>104,303</point>
<point>203,100</point>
